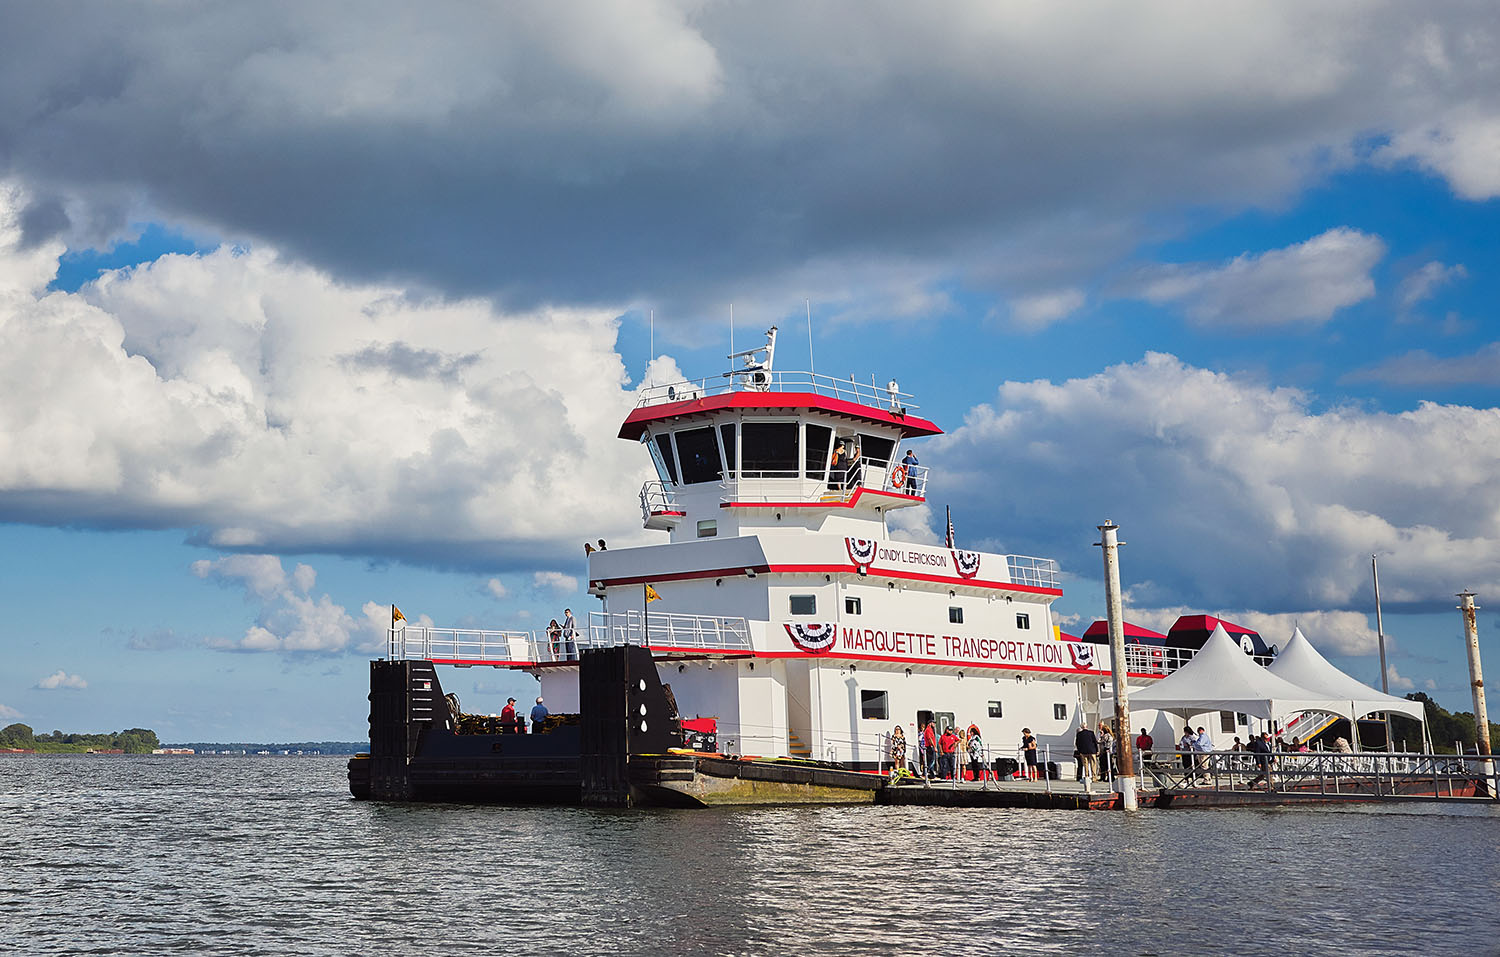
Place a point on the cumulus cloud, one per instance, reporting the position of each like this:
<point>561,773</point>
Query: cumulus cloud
<point>556,583</point>
<point>1420,368</point>
<point>579,152</point>
<point>261,405</point>
<point>1232,493</point>
<point>61,679</point>
<point>7,713</point>
<point>291,619</point>
<point>495,588</point>
<point>1331,632</point>
<point>1304,283</point>
<point>1397,681</point>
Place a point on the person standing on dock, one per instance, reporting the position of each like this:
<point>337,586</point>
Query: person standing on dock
<point>897,748</point>
<point>1144,743</point>
<point>1106,752</point>
<point>929,750</point>
<point>1202,744</point>
<point>1087,744</point>
<point>1028,747</point>
<point>948,744</point>
<point>1261,748</point>
<point>1185,749</point>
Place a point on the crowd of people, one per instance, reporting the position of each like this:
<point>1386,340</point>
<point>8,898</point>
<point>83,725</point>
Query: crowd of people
<point>940,754</point>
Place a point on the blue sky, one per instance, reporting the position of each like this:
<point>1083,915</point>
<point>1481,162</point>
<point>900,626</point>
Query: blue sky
<point>347,313</point>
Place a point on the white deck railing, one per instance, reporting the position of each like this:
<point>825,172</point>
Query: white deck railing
<point>667,630</point>
<point>833,485</point>
<point>657,497</point>
<point>1036,572</point>
<point>419,642</point>
<point>850,390</point>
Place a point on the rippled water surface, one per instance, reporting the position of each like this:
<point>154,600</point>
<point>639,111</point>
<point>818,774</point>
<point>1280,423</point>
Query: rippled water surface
<point>269,855</point>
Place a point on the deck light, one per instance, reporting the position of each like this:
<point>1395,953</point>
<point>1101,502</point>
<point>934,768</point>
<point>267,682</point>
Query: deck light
<point>749,573</point>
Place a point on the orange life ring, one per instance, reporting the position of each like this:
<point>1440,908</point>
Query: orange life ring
<point>898,476</point>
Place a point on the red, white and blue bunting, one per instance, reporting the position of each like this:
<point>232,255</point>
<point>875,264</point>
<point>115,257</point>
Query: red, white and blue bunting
<point>815,638</point>
<point>967,563</point>
<point>861,551</point>
<point>1083,655</point>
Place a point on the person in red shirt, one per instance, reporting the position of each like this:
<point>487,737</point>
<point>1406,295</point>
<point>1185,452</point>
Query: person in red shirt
<point>508,717</point>
<point>1143,742</point>
<point>948,744</point>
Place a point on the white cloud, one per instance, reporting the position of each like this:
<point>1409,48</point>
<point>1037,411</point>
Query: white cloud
<point>1043,309</point>
<point>1421,368</point>
<point>61,679</point>
<point>555,582</point>
<point>1397,682</point>
<point>1232,493</point>
<point>1461,147</point>
<point>7,713</point>
<point>582,152</point>
<point>1331,632</point>
<point>496,589</point>
<point>1423,283</point>
<point>912,524</point>
<point>290,619</point>
<point>1304,283</point>
<point>260,575</point>
<point>266,405</point>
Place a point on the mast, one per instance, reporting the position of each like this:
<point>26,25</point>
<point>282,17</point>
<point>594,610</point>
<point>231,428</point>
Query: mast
<point>1380,635</point>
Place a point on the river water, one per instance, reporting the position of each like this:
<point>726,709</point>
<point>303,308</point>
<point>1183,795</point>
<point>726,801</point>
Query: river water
<point>269,855</point>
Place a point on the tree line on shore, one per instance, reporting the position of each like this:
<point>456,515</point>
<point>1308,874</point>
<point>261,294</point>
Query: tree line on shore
<point>1445,726</point>
<point>131,740</point>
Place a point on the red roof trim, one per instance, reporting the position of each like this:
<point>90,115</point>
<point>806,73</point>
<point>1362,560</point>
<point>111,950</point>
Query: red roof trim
<point>910,425</point>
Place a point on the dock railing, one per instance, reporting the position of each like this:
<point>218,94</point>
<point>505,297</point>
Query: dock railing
<point>1374,774</point>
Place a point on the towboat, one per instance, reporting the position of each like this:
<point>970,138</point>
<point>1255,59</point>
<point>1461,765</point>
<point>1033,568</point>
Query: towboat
<point>770,646</point>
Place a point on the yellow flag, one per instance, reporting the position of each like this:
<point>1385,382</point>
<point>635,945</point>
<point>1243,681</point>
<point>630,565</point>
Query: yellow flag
<point>651,595</point>
<point>396,615</point>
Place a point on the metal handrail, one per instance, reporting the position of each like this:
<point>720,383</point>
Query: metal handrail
<point>666,629</point>
<point>1376,774</point>
<point>815,486</point>
<point>657,497</point>
<point>423,642</point>
<point>1036,572</point>
<point>789,381</point>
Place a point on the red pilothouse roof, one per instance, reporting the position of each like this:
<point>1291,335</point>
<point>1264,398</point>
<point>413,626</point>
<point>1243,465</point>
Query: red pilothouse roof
<point>910,425</point>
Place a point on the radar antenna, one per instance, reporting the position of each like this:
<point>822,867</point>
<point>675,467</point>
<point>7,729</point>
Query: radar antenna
<point>756,373</point>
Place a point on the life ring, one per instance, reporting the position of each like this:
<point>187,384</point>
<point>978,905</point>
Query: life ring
<point>898,476</point>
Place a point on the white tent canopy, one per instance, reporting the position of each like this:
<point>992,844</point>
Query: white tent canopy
<point>1221,677</point>
<point>1300,663</point>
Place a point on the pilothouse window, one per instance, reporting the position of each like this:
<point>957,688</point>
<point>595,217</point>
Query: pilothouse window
<point>726,432</point>
<point>668,461</point>
<point>698,452</point>
<point>818,439</point>
<point>768,449</point>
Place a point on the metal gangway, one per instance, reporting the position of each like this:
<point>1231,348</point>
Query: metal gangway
<point>1331,775</point>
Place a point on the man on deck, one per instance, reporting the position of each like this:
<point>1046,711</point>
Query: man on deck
<point>508,716</point>
<point>538,716</point>
<point>910,464</point>
<point>1087,743</point>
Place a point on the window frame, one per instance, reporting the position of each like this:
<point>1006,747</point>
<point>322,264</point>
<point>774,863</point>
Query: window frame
<point>955,614</point>
<point>869,696</point>
<point>853,605</point>
<point>1023,621</point>
<point>792,608</point>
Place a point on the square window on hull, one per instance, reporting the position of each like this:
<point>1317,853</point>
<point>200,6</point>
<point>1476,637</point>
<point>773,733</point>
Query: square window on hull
<point>874,704</point>
<point>803,604</point>
<point>852,606</point>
